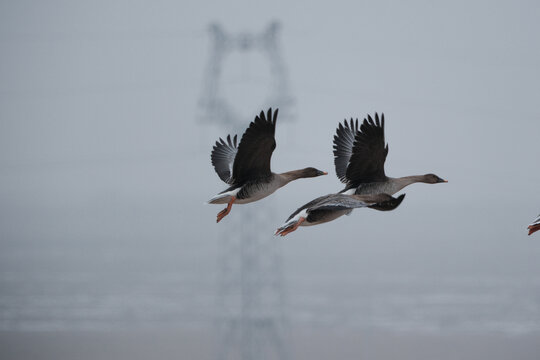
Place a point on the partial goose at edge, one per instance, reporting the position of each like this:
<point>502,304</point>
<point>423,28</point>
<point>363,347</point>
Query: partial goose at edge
<point>534,226</point>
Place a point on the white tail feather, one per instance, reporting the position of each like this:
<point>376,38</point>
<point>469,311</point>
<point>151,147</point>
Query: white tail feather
<point>223,198</point>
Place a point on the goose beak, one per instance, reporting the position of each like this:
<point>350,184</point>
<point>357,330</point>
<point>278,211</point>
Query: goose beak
<point>319,173</point>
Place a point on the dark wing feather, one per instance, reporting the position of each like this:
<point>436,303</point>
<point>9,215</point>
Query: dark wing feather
<point>343,147</point>
<point>252,160</point>
<point>222,157</point>
<point>368,154</point>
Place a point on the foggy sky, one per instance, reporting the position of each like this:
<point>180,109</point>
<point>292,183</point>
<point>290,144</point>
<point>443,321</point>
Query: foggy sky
<point>104,165</point>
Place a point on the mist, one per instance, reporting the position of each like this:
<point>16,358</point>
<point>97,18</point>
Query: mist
<point>105,166</point>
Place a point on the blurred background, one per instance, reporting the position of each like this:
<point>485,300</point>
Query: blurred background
<point>106,248</point>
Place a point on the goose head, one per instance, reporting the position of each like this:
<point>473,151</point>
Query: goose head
<point>433,179</point>
<point>311,172</point>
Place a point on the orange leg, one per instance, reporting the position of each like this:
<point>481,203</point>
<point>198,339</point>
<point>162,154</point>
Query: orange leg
<point>533,228</point>
<point>225,211</point>
<point>291,229</point>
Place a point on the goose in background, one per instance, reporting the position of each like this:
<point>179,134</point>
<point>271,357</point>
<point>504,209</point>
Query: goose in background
<point>534,226</point>
<point>359,156</point>
<point>246,166</point>
<point>330,207</point>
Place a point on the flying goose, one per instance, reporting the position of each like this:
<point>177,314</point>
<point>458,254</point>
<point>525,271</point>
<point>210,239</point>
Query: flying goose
<point>330,207</point>
<point>359,156</point>
<point>246,166</point>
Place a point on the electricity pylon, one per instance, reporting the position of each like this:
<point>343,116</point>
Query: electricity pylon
<point>215,107</point>
<point>252,321</point>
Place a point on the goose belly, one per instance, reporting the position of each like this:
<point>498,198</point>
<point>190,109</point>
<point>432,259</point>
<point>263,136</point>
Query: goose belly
<point>323,216</point>
<point>256,191</point>
<point>386,187</point>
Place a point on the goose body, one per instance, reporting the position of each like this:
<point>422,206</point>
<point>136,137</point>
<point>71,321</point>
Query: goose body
<point>250,191</point>
<point>330,207</point>
<point>359,156</point>
<point>245,166</point>
<point>534,226</point>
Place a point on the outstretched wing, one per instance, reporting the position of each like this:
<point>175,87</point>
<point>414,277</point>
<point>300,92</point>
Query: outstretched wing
<point>343,147</point>
<point>222,157</point>
<point>339,202</point>
<point>255,150</point>
<point>369,153</point>
<point>381,202</point>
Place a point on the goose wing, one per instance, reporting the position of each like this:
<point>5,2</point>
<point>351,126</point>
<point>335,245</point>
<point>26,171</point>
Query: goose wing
<point>222,157</point>
<point>339,202</point>
<point>369,153</point>
<point>255,149</point>
<point>343,147</point>
<point>382,202</point>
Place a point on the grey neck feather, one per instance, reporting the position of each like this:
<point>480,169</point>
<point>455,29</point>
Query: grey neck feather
<point>289,176</point>
<point>401,182</point>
